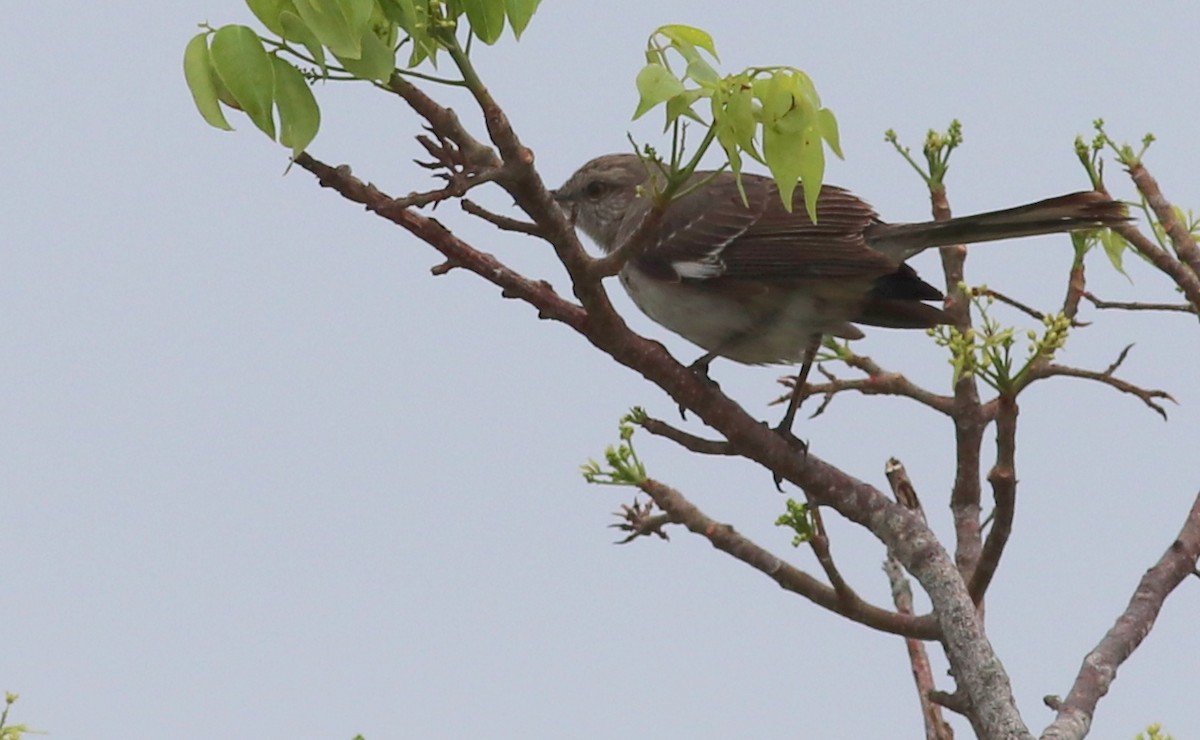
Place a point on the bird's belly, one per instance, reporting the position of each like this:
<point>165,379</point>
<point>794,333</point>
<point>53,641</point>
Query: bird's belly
<point>751,324</point>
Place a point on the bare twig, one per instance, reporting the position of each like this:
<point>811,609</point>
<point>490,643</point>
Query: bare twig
<point>639,520</point>
<point>1008,301</point>
<point>790,578</point>
<point>1138,306</point>
<point>879,382</point>
<point>504,223</point>
<point>1148,396</point>
<point>1100,666</point>
<point>820,547</point>
<point>688,441</point>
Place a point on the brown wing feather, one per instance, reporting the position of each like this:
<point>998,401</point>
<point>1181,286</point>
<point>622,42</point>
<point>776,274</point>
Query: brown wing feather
<point>714,233</point>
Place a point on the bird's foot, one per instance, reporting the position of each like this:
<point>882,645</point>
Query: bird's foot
<point>700,368</point>
<point>784,430</point>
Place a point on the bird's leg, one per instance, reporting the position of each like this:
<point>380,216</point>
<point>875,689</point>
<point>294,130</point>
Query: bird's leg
<point>700,368</point>
<point>789,417</point>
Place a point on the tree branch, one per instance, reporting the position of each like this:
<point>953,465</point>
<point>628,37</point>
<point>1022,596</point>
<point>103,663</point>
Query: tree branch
<point>688,441</point>
<point>1138,306</point>
<point>1003,479</point>
<point>1148,396</point>
<point>726,539</point>
<point>1099,668</point>
<point>918,659</point>
<point>879,382</point>
<point>1181,238</point>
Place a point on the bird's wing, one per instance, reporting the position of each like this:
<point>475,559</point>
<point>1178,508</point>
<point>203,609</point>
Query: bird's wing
<point>714,233</point>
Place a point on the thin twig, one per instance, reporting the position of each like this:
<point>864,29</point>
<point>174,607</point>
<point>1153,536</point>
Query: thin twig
<point>504,223</point>
<point>1138,306</point>
<point>688,441</point>
<point>725,538</point>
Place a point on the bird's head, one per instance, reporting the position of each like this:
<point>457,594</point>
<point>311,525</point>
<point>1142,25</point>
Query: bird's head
<point>600,193</point>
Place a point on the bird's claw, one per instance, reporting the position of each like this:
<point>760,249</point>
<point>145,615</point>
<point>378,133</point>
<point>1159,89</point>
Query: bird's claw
<point>795,443</point>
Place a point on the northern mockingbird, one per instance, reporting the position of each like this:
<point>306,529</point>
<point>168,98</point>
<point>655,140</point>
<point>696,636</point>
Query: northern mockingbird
<point>753,282</point>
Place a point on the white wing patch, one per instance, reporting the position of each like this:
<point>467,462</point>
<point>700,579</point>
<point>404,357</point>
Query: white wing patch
<point>702,270</point>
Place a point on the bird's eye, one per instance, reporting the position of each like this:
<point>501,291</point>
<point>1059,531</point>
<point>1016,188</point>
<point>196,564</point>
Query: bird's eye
<point>595,189</point>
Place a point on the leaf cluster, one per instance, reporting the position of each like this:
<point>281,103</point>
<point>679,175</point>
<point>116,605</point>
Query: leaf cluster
<point>772,115</point>
<point>623,466</point>
<point>235,67</point>
<point>986,351</point>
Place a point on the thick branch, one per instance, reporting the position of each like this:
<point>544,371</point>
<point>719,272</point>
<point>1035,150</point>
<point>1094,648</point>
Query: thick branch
<point>1099,668</point>
<point>969,420</point>
<point>539,294</point>
<point>1184,277</point>
<point>918,659</point>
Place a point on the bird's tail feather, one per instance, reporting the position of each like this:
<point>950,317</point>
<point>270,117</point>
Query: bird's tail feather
<point>1084,210</point>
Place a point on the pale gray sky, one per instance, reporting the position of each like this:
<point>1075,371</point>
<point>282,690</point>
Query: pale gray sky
<point>262,476</point>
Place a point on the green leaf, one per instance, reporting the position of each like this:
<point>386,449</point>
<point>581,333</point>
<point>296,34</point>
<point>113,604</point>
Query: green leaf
<point>655,85</point>
<point>827,125</point>
<point>702,73</point>
<point>1114,247</point>
<point>413,18</point>
<point>377,60</point>
<point>245,68</point>
<point>268,11</point>
<point>520,12</point>
<point>681,105</point>
<point>357,13</point>
<point>486,18</point>
<point>299,115</point>
<point>688,37</point>
<point>328,22</point>
<point>295,31</point>
<point>201,80</point>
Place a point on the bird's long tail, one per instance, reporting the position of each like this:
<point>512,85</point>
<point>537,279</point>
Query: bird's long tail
<point>1085,210</point>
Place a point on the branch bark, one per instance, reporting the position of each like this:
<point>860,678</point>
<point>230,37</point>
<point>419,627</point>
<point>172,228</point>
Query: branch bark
<point>1099,668</point>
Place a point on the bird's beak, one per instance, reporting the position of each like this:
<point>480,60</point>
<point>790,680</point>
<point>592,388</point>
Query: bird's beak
<point>564,203</point>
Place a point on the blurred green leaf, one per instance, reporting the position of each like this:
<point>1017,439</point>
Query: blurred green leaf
<point>486,18</point>
<point>201,80</point>
<point>328,22</point>
<point>245,68</point>
<point>299,115</point>
<point>520,12</point>
<point>413,19</point>
<point>268,11</point>
<point>681,105</point>
<point>655,85</point>
<point>376,62</point>
<point>296,31</point>
<point>1114,247</point>
<point>827,125</point>
<point>357,13</point>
